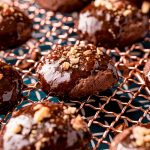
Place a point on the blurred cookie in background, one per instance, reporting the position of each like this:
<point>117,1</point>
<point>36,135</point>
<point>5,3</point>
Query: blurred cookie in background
<point>65,6</point>
<point>112,23</point>
<point>15,27</point>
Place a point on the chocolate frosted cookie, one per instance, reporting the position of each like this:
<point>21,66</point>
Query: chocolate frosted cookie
<point>15,27</point>
<point>76,71</point>
<point>147,73</point>
<point>45,126</point>
<point>63,5</point>
<point>112,23</point>
<point>10,87</point>
<point>135,138</point>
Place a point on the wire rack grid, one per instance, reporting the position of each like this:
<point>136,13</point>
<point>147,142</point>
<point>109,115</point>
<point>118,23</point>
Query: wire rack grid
<point>126,104</point>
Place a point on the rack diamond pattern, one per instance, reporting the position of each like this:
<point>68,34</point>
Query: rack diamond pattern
<point>126,104</point>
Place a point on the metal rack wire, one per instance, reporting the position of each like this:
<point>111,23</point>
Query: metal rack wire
<point>126,104</point>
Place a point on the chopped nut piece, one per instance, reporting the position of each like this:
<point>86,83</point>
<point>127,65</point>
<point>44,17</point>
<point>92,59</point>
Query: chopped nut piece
<point>97,3</point>
<point>34,132</point>
<point>65,117</point>
<point>62,59</point>
<point>145,7</point>
<point>64,107</point>
<point>50,130</point>
<point>73,50</point>
<point>78,54</point>
<point>127,12</point>
<point>64,52</point>
<point>139,142</point>
<point>72,56</point>
<point>87,58</point>
<point>129,7</point>
<point>141,135</point>
<point>74,60</point>
<point>70,110</point>
<point>12,10</point>
<point>37,107</point>
<point>65,66</point>
<point>78,123</point>
<point>107,4</point>
<point>88,52</point>
<point>41,114</point>
<point>99,51</point>
<point>147,138</point>
<point>1,18</point>
<point>17,129</point>
<point>1,76</point>
<point>38,145</point>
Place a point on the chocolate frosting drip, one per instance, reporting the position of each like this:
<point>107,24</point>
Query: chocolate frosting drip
<point>15,27</point>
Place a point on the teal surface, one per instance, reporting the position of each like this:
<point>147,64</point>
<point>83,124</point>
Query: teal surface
<point>111,108</point>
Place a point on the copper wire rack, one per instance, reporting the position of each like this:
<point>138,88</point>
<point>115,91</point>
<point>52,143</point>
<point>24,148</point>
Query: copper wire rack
<point>126,104</point>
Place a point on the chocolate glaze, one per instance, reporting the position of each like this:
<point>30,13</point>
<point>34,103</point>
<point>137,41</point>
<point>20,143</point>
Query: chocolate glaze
<point>147,73</point>
<point>63,5</point>
<point>125,140</point>
<point>112,23</point>
<point>10,87</point>
<point>15,27</point>
<point>76,71</point>
<point>45,126</point>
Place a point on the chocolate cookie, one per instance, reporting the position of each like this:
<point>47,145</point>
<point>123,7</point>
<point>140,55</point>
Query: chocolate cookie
<point>45,126</point>
<point>147,73</point>
<point>63,5</point>
<point>10,87</point>
<point>112,23</point>
<point>76,71</point>
<point>15,27</point>
<point>135,138</point>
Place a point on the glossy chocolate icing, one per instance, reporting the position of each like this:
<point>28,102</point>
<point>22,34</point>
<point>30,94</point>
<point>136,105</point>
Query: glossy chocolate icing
<point>10,87</point>
<point>127,141</point>
<point>76,71</point>
<point>15,27</point>
<point>45,126</point>
<point>112,23</point>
